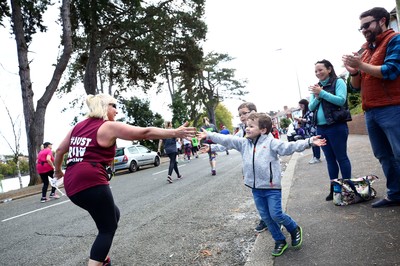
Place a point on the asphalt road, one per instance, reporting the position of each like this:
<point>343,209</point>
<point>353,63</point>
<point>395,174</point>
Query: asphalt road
<point>199,220</point>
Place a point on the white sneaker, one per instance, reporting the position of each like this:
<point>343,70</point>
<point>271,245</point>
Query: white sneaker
<point>314,160</point>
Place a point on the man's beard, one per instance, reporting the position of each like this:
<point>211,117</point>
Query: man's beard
<point>372,37</point>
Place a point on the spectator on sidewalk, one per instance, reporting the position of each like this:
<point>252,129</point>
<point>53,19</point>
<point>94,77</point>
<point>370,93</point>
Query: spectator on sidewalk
<point>329,100</point>
<point>377,73</point>
<point>45,168</point>
<point>275,132</point>
<point>172,152</point>
<point>90,146</point>
<point>307,122</point>
<point>262,173</point>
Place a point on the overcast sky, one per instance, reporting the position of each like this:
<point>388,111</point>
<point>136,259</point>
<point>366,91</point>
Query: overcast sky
<point>274,43</point>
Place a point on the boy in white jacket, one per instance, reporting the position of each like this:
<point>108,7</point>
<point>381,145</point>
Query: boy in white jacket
<point>262,173</point>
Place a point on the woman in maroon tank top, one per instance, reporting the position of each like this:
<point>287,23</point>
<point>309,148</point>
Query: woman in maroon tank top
<point>91,146</point>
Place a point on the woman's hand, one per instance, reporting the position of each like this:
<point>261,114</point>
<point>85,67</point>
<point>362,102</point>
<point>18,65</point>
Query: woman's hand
<point>185,132</point>
<point>58,174</point>
<point>315,89</point>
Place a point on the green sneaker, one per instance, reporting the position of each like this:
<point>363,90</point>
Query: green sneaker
<point>280,247</point>
<point>297,237</point>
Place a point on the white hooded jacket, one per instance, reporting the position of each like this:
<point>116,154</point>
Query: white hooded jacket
<point>261,165</point>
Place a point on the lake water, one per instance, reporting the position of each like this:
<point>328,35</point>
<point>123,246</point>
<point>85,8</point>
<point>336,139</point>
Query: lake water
<point>13,183</point>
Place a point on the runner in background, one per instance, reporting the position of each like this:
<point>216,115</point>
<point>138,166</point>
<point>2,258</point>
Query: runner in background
<point>195,147</point>
<point>225,131</point>
<point>211,154</point>
<point>187,146</point>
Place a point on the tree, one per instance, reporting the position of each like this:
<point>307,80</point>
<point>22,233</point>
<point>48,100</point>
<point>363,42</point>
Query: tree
<point>17,137</point>
<point>129,43</point>
<point>179,110</point>
<point>285,122</point>
<point>26,20</point>
<point>138,113</point>
<point>215,83</point>
<point>223,117</point>
<point>353,98</point>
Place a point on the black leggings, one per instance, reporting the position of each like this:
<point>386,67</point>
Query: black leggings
<point>45,180</point>
<point>99,202</point>
<point>173,165</point>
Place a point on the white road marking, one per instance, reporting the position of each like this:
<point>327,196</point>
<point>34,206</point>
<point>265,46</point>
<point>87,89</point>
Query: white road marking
<point>40,209</point>
<point>163,171</point>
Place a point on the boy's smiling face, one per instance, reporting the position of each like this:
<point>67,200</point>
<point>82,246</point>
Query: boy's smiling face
<point>253,130</point>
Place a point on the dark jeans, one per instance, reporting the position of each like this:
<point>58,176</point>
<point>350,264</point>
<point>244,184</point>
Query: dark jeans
<point>45,180</point>
<point>335,150</point>
<point>173,165</point>
<point>99,202</point>
<point>316,152</point>
<point>384,135</point>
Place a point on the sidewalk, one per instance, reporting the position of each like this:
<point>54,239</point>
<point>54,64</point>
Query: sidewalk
<point>332,235</point>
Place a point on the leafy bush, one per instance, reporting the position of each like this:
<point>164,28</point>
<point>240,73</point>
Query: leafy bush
<point>285,122</point>
<point>9,168</point>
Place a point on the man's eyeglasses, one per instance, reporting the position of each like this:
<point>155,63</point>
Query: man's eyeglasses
<point>244,113</point>
<point>366,25</point>
<point>113,105</point>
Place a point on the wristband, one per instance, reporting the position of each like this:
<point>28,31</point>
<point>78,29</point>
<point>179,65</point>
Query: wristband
<point>355,74</point>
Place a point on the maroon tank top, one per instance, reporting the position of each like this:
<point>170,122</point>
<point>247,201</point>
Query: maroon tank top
<point>86,159</point>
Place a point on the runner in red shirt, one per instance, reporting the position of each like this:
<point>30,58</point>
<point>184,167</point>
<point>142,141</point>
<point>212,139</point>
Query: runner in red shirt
<point>45,168</point>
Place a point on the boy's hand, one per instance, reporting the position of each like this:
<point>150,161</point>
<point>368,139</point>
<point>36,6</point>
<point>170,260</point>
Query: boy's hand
<point>317,141</point>
<point>202,134</point>
<point>205,148</point>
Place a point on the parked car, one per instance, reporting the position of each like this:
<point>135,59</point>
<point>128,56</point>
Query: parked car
<point>134,156</point>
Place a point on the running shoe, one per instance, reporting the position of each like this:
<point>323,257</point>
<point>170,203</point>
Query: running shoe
<point>107,261</point>
<point>43,200</point>
<point>297,237</point>
<point>54,196</point>
<point>261,227</point>
<point>280,247</point>
<point>169,179</point>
